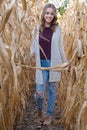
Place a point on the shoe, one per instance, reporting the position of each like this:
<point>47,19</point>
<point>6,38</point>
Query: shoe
<point>47,120</point>
<point>39,118</point>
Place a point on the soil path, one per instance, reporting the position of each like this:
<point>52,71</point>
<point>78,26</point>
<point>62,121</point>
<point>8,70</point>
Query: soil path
<point>28,120</point>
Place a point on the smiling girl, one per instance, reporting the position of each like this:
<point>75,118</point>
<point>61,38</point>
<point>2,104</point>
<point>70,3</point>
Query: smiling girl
<point>49,51</point>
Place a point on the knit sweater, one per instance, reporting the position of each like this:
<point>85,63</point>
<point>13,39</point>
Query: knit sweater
<point>57,55</point>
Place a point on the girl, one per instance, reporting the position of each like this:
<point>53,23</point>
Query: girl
<point>49,51</point>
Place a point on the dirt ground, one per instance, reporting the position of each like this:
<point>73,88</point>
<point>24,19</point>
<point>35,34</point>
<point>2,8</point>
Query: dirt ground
<point>28,121</point>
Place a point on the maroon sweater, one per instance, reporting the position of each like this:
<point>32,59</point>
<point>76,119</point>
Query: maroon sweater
<point>45,38</point>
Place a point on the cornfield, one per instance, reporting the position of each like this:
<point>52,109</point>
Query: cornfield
<point>17,20</point>
<point>73,86</point>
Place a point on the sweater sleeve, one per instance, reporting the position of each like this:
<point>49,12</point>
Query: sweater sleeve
<point>32,48</point>
<point>61,47</point>
<point>34,41</point>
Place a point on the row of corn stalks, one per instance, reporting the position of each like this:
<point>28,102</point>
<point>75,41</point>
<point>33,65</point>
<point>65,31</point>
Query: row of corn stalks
<point>72,90</point>
<point>17,20</point>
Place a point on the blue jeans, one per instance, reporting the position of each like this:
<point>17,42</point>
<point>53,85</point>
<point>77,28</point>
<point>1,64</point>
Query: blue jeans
<point>42,88</point>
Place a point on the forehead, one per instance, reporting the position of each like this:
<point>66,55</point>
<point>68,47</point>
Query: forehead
<point>49,9</point>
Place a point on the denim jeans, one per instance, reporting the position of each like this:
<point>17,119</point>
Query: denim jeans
<point>42,87</point>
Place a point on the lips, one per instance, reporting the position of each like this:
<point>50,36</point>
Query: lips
<point>48,19</point>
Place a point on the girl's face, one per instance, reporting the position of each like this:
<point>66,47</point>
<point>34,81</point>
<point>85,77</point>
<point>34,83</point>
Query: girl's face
<point>49,16</point>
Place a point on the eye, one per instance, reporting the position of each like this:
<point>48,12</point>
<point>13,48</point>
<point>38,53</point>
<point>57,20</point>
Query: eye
<point>47,12</point>
<point>52,14</point>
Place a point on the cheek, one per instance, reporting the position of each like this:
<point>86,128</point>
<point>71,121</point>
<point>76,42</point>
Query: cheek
<point>45,17</point>
<point>52,16</point>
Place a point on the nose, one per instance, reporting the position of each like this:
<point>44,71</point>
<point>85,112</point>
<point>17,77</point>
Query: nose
<point>49,15</point>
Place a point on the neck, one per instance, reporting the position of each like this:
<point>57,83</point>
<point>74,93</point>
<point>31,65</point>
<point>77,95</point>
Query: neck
<point>47,25</point>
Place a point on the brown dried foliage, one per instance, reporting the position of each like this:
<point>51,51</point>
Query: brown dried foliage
<point>17,20</point>
<point>73,86</point>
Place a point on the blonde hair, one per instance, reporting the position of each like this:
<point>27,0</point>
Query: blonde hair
<point>53,23</point>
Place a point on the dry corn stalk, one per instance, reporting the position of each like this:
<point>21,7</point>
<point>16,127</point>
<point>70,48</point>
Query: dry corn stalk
<point>16,24</point>
<point>72,88</point>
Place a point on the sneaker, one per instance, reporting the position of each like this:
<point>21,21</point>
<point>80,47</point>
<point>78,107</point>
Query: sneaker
<point>47,120</point>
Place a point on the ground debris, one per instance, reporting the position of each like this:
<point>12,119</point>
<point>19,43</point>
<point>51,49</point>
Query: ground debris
<point>28,120</point>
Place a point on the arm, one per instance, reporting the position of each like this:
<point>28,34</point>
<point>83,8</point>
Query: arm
<point>61,48</point>
<point>32,48</point>
<point>35,33</point>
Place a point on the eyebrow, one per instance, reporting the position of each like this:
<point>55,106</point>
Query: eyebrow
<point>48,12</point>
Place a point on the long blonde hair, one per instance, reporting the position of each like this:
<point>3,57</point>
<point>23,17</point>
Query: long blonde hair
<point>54,23</point>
